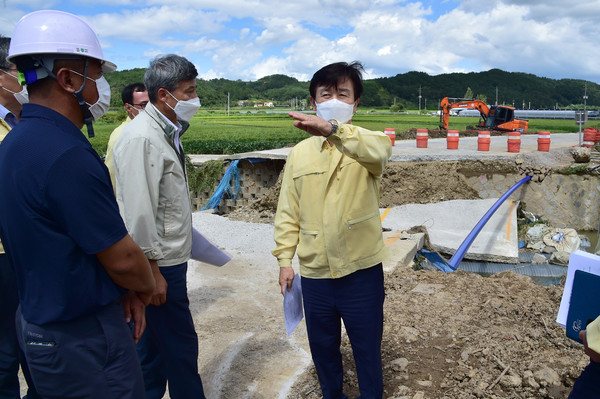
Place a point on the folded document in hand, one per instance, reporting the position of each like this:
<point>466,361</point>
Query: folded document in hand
<point>205,251</point>
<point>292,305</point>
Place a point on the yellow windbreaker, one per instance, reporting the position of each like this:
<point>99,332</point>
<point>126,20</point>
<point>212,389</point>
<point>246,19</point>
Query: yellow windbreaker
<point>329,203</point>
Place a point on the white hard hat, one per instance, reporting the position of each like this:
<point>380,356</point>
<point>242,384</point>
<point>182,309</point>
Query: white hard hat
<point>49,32</point>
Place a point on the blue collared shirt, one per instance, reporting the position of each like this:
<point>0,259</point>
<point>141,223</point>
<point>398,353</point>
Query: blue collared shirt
<point>57,211</point>
<point>8,116</point>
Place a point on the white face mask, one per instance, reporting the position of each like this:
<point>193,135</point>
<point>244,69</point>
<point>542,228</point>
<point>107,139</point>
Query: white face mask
<point>335,109</point>
<point>185,109</point>
<point>21,96</point>
<point>99,108</point>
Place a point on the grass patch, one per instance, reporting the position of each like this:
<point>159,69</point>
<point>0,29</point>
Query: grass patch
<point>203,177</point>
<point>575,169</point>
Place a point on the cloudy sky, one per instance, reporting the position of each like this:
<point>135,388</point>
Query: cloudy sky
<point>249,39</point>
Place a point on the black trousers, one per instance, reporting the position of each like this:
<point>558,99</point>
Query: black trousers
<point>357,299</point>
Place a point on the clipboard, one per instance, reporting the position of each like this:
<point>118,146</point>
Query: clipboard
<point>584,306</point>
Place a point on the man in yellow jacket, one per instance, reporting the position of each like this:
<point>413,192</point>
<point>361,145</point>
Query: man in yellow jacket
<point>135,98</point>
<point>328,213</point>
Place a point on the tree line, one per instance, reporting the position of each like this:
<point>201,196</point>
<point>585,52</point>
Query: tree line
<point>411,90</point>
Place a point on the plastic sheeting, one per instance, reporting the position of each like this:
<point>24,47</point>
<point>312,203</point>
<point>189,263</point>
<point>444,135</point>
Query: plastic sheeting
<point>229,184</point>
<point>436,260</point>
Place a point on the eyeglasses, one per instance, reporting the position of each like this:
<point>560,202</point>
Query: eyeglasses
<point>141,105</point>
<point>9,69</point>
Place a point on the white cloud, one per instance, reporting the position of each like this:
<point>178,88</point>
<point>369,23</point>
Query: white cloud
<point>158,25</point>
<point>279,31</point>
<point>238,39</point>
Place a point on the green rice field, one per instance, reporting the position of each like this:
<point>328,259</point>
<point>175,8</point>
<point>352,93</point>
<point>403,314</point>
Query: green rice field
<point>214,132</point>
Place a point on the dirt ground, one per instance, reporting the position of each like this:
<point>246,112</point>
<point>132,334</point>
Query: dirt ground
<point>460,335</point>
<point>456,335</point>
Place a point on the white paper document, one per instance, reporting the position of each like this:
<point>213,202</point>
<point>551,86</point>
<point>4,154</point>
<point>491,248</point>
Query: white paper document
<point>579,260</point>
<point>292,305</point>
<point>205,251</point>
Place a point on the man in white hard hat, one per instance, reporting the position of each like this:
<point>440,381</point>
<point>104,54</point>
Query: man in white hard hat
<point>12,96</point>
<point>80,276</point>
<point>153,196</point>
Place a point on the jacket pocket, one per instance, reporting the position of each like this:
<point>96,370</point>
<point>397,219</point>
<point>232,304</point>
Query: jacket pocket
<point>310,248</point>
<point>172,222</point>
<point>363,236</point>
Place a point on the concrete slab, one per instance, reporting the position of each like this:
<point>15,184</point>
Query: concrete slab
<point>449,223</point>
<point>402,248</point>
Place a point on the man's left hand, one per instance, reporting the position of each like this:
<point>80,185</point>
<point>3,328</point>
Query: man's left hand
<point>159,296</point>
<point>311,124</point>
<point>134,307</point>
<point>595,356</point>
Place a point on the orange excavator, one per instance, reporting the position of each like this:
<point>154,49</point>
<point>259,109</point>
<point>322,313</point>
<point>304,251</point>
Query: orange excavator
<point>496,117</point>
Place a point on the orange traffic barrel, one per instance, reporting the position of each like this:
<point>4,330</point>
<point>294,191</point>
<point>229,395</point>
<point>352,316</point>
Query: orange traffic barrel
<point>514,141</point>
<point>589,137</point>
<point>422,137</point>
<point>452,139</point>
<point>483,141</point>
<point>391,133</point>
<point>543,141</point>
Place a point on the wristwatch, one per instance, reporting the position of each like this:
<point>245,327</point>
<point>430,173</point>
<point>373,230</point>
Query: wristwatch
<point>334,127</point>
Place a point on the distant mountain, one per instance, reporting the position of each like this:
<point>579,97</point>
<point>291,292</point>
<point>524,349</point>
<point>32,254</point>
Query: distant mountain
<point>511,88</point>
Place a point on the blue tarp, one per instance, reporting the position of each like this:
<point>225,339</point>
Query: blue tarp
<point>436,260</point>
<point>231,175</point>
<point>230,178</point>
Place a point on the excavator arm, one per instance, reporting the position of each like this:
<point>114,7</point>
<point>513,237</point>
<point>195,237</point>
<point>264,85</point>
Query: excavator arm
<point>449,103</point>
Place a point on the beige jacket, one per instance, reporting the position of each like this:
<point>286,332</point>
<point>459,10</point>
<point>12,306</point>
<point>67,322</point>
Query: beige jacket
<point>151,188</point>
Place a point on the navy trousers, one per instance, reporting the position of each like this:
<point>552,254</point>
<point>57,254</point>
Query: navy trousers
<point>89,357</point>
<point>10,353</point>
<point>587,384</point>
<point>357,299</point>
<point>168,350</point>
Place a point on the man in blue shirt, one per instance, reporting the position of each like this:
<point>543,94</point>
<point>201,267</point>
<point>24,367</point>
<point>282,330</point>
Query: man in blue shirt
<point>79,274</point>
<point>12,95</point>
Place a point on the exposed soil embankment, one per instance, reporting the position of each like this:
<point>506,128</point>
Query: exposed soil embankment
<point>402,183</point>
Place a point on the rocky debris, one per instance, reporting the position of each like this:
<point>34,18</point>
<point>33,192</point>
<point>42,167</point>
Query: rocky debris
<point>544,239</point>
<point>539,259</point>
<point>560,258</point>
<point>467,337</point>
<point>535,236</point>
<point>581,154</point>
<point>537,173</point>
